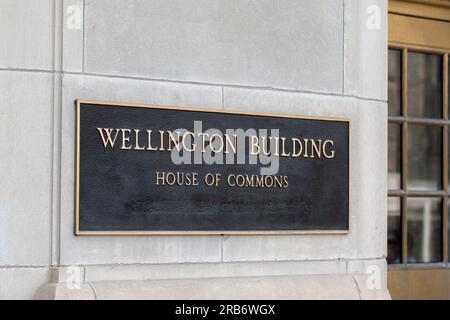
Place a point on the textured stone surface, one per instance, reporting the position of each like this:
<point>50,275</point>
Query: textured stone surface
<point>365,53</point>
<point>21,283</point>
<point>259,280</point>
<point>64,291</point>
<point>371,277</point>
<point>138,91</point>
<point>248,288</point>
<point>291,44</point>
<point>72,29</point>
<point>368,291</point>
<point>25,167</point>
<point>26,30</point>
<point>212,270</point>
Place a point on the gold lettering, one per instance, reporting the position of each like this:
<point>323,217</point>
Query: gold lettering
<point>229,180</point>
<point>331,155</point>
<point>259,182</point>
<point>276,154</point>
<point>108,141</point>
<point>267,185</point>
<point>283,153</point>
<point>204,140</point>
<point>249,180</point>
<point>195,179</point>
<point>183,140</point>
<point>160,178</point>
<point>220,139</point>
<point>295,142</point>
<point>228,142</point>
<point>173,141</point>
<point>136,144</point>
<point>278,182</point>
<point>133,139</point>
<point>149,141</point>
<point>316,148</point>
<point>264,143</point>
<point>306,147</point>
<point>161,140</point>
<point>240,180</point>
<point>170,178</point>
<point>286,183</point>
<point>254,145</point>
<point>212,179</point>
<point>125,139</point>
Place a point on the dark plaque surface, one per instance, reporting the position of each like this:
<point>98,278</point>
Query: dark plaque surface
<point>124,180</point>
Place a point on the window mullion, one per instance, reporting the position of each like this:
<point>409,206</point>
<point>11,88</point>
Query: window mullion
<point>445,162</point>
<point>404,171</point>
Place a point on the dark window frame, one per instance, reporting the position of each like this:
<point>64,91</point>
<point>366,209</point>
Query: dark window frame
<point>403,120</point>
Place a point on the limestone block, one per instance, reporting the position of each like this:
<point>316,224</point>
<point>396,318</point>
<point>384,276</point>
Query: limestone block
<point>26,30</point>
<point>365,48</point>
<point>25,167</point>
<point>21,283</point>
<point>294,44</point>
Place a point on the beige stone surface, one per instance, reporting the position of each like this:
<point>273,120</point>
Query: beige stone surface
<point>22,283</point>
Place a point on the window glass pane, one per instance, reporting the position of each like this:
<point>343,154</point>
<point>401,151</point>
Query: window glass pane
<point>395,82</point>
<point>424,230</point>
<point>424,85</point>
<point>424,157</point>
<point>394,154</point>
<point>394,231</point>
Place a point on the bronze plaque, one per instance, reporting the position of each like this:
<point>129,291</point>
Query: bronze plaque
<point>168,170</point>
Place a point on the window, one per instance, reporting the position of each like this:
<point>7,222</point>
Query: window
<point>418,156</point>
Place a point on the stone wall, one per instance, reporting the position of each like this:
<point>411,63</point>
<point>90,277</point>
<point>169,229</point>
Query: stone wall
<point>302,57</point>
